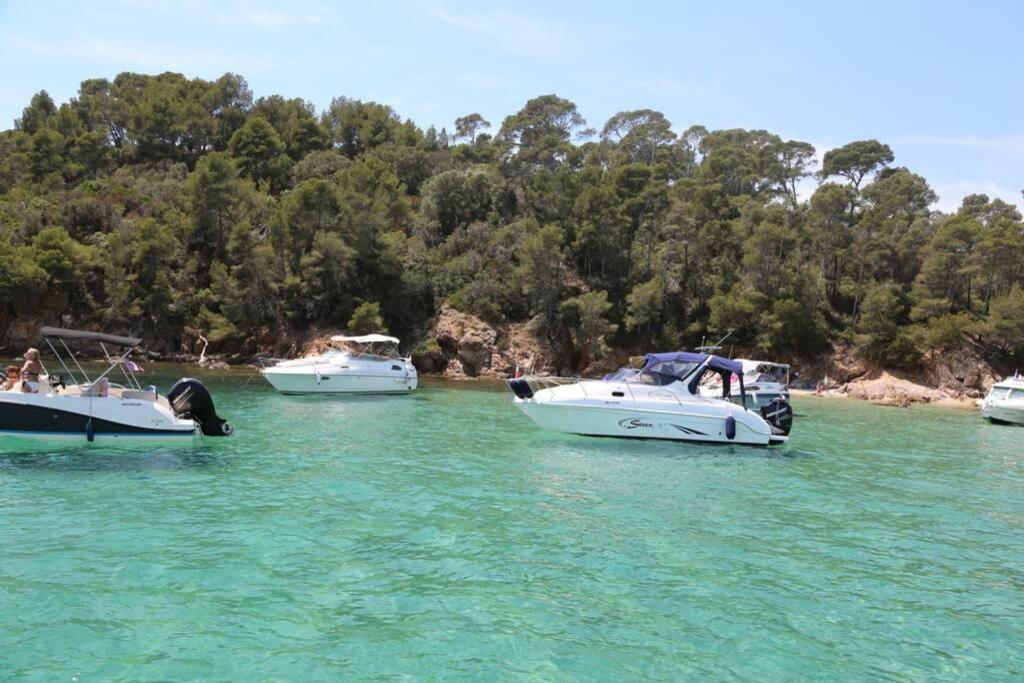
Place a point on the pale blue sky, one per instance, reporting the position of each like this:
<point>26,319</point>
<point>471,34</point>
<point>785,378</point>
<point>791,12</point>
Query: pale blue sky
<point>938,81</point>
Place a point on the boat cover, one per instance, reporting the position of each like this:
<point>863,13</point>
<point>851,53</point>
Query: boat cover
<point>365,339</point>
<point>62,333</point>
<point>753,365</point>
<point>714,362</point>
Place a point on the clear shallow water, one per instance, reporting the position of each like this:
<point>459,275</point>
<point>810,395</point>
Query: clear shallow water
<point>443,536</point>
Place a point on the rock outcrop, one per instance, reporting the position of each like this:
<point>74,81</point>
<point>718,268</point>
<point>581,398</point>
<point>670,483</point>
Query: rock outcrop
<point>886,386</point>
<point>942,375</point>
<point>962,373</point>
<point>21,333</point>
<point>462,345</point>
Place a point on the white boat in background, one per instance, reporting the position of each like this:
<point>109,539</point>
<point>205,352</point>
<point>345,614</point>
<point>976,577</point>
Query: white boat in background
<point>1004,403</point>
<point>373,367</point>
<point>64,407</point>
<point>662,400</point>
<point>764,383</point>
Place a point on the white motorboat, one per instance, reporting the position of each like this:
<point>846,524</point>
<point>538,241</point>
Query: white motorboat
<point>764,383</point>
<point>98,410</point>
<point>1004,403</point>
<point>373,367</point>
<point>662,400</point>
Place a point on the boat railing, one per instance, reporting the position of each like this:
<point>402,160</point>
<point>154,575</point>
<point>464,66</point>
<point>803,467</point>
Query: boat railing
<point>541,382</point>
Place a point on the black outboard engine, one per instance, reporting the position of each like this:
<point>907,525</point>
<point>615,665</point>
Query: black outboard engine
<point>189,398</point>
<point>778,414</point>
<point>520,387</point>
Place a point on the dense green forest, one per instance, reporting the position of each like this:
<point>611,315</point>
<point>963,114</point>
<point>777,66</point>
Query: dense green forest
<point>152,203</point>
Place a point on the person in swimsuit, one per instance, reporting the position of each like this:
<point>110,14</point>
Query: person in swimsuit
<point>30,371</point>
<point>13,375</point>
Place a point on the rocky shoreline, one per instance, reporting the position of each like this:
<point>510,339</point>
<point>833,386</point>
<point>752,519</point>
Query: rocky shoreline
<point>462,346</point>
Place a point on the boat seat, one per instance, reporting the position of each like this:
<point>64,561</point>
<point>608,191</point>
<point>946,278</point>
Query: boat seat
<point>139,395</point>
<point>98,389</point>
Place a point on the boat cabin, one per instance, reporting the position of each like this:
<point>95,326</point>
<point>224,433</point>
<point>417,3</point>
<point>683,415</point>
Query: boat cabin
<point>1009,389</point>
<point>368,346</point>
<point>662,369</point>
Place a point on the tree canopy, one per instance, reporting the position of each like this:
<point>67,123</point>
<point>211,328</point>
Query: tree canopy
<point>163,202</point>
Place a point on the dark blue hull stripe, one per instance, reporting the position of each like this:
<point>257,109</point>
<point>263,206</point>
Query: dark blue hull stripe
<point>22,418</point>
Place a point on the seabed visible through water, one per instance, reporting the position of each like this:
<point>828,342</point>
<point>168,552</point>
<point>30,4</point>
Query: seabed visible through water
<point>442,535</point>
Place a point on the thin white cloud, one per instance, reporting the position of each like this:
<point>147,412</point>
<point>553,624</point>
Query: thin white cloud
<point>1015,141</point>
<point>951,195</point>
<point>666,83</point>
<point>512,31</point>
<point>274,18</point>
<point>259,13</point>
<point>127,55</point>
<point>481,80</point>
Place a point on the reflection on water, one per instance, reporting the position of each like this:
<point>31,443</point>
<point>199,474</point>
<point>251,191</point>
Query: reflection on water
<point>87,459</point>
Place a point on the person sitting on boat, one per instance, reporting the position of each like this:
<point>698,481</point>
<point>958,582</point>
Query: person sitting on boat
<point>30,371</point>
<point>13,375</point>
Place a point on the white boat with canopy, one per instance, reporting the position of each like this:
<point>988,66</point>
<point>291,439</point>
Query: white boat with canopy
<point>764,383</point>
<point>661,400</point>
<point>364,364</point>
<point>73,405</point>
<point>1004,403</point>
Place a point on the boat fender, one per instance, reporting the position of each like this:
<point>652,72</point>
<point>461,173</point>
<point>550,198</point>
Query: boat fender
<point>730,427</point>
<point>90,431</point>
<point>521,388</point>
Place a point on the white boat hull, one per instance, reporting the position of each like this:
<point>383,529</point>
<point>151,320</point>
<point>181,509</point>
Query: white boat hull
<point>760,399</point>
<point>756,398</point>
<point>659,401</point>
<point>1005,402</point>
<point>1006,414</point>
<point>96,419</point>
<point>339,382</point>
<point>345,372</point>
<point>634,423</point>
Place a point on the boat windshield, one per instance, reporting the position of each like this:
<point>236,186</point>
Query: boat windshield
<point>762,375</point>
<point>657,374</point>
<point>762,371</point>
<point>369,351</point>
<point>622,375</point>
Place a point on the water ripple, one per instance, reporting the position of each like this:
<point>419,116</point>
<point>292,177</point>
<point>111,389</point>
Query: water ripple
<point>443,536</point>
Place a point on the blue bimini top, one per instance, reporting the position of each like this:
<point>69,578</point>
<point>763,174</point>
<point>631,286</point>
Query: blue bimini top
<point>679,364</point>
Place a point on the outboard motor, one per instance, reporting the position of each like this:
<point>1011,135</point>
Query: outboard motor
<point>189,398</point>
<point>778,414</point>
<point>520,387</point>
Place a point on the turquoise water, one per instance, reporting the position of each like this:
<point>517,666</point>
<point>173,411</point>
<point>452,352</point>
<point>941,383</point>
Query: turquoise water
<point>443,536</point>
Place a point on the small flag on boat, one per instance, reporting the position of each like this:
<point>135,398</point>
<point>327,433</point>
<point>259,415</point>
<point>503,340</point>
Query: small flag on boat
<point>133,366</point>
